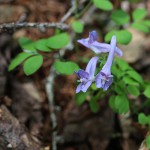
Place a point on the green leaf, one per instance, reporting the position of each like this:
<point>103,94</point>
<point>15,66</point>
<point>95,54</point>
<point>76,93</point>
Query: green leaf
<point>145,22</point>
<point>77,26</point>
<point>112,103</point>
<point>66,68</point>
<point>94,105</point>
<point>32,64</point>
<point>123,65</point>
<point>103,4</point>
<point>18,60</point>
<point>147,91</point>
<point>130,81</point>
<point>139,14</point>
<point>143,119</point>
<point>148,141</point>
<point>27,44</point>
<point>140,27</point>
<point>122,104</point>
<point>24,41</point>
<point>123,36</point>
<point>134,75</point>
<point>41,45</point>
<point>80,98</point>
<point>120,17</point>
<point>133,90</point>
<point>58,41</point>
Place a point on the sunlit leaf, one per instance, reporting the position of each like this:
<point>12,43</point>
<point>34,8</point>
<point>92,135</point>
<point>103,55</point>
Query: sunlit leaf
<point>139,14</point>
<point>123,36</point>
<point>103,4</point>
<point>77,26</point>
<point>42,45</point>
<point>66,68</point>
<point>141,27</point>
<point>58,41</point>
<point>32,64</point>
<point>18,60</point>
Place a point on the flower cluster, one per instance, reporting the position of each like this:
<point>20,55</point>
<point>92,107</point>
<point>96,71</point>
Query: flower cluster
<point>104,78</point>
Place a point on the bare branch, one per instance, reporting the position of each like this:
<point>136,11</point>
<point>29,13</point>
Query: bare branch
<point>18,25</point>
<point>50,95</point>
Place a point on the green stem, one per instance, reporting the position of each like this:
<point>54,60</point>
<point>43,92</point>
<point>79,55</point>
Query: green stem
<point>84,10</point>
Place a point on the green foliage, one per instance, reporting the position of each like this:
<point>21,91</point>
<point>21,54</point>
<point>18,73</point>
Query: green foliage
<point>111,103</point>
<point>27,45</point>
<point>120,17</point>
<point>58,41</point>
<point>18,60</point>
<point>103,4</point>
<point>78,26</point>
<point>123,36</point>
<point>80,98</point>
<point>140,27</point>
<point>143,119</point>
<point>66,68</point>
<point>139,14</point>
<point>148,141</point>
<point>145,22</point>
<point>119,104</point>
<point>32,64</point>
<point>147,91</point>
<point>41,45</point>
<point>133,90</point>
<point>123,65</point>
<point>134,75</point>
<point>94,105</point>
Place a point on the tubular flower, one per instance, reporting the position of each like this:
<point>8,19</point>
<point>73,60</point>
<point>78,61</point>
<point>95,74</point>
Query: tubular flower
<point>87,77</point>
<point>104,77</point>
<point>97,47</point>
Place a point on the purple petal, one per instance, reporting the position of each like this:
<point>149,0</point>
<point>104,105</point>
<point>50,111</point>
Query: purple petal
<point>91,66</point>
<point>92,37</point>
<point>79,87</point>
<point>107,84</point>
<point>107,67</point>
<point>104,48</point>
<point>82,74</point>
<point>103,81</point>
<point>84,42</point>
<point>86,86</point>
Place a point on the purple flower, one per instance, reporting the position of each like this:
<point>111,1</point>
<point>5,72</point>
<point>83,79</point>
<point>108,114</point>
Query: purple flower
<point>87,77</point>
<point>104,77</point>
<point>97,47</point>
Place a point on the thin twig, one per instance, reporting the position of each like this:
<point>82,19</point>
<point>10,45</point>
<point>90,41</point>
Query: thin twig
<point>18,25</point>
<point>69,12</point>
<point>50,94</point>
